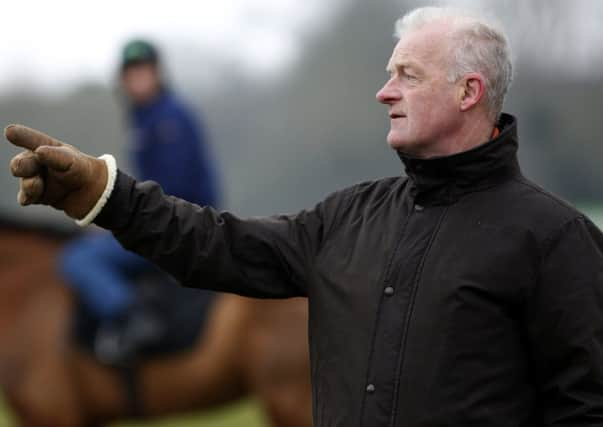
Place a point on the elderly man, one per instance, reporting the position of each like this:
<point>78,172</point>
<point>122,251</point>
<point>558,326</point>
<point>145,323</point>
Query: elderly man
<point>460,295</point>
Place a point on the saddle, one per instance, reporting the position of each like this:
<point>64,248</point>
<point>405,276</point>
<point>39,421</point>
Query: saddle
<point>181,314</point>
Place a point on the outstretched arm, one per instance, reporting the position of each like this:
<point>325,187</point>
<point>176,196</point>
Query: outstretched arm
<point>202,247</point>
<point>262,257</point>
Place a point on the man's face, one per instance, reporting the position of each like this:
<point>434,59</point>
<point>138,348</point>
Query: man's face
<point>423,105</point>
<point>140,82</point>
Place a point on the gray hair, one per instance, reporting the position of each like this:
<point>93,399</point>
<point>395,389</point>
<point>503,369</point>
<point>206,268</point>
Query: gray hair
<point>479,45</point>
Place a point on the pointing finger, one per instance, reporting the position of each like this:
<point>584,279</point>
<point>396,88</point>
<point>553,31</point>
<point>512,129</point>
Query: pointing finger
<point>58,158</point>
<point>24,165</point>
<point>28,138</point>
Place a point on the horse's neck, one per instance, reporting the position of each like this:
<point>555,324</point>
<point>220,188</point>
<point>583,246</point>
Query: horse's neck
<point>33,303</point>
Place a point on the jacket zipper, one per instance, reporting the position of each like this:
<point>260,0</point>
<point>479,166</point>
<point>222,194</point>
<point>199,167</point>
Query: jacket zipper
<point>415,285</point>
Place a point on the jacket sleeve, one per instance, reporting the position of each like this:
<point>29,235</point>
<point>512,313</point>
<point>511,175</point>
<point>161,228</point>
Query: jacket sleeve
<point>261,257</point>
<point>565,323</point>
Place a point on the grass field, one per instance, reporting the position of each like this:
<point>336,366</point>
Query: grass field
<point>5,418</point>
<point>243,414</point>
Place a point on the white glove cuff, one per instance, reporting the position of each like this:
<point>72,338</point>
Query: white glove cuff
<point>111,176</point>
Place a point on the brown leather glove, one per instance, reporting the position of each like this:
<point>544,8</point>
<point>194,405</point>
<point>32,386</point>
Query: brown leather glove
<point>54,173</point>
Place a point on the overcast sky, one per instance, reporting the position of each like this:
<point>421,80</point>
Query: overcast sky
<point>53,45</point>
<point>565,35</point>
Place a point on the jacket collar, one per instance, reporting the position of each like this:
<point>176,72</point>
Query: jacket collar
<point>444,179</point>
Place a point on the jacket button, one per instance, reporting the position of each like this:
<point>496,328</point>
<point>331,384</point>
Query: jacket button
<point>419,208</point>
<point>370,388</point>
<point>389,291</point>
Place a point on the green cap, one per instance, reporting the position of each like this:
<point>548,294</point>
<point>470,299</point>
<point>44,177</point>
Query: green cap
<point>138,51</point>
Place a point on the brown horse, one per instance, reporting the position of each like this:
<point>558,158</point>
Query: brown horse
<point>248,347</point>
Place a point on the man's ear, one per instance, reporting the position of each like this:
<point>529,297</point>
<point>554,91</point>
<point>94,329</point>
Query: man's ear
<point>471,90</point>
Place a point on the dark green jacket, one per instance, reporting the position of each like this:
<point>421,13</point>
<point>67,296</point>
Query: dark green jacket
<point>463,295</point>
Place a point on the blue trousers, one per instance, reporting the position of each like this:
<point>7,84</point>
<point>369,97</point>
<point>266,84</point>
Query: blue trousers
<point>101,272</point>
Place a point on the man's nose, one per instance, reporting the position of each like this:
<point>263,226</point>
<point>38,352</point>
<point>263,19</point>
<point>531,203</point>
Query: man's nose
<point>388,93</point>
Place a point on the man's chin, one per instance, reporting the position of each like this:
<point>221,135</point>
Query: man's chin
<point>395,142</point>
<point>404,147</point>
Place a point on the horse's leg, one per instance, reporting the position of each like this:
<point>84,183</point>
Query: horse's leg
<point>290,404</point>
<point>277,363</point>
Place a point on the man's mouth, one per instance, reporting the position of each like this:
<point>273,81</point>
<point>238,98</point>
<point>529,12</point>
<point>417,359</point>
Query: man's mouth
<point>396,116</point>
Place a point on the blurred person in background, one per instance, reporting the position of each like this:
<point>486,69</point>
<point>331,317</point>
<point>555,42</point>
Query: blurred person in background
<point>168,145</point>
<point>461,294</point>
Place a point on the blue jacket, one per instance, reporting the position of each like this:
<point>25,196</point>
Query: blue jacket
<point>169,146</point>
